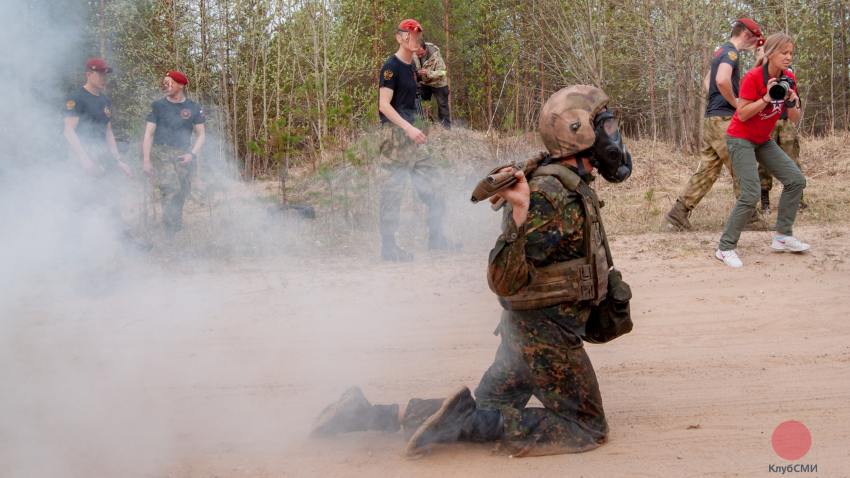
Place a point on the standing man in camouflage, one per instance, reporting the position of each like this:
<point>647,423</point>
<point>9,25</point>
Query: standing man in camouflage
<point>722,83</point>
<point>169,154</point>
<point>88,123</point>
<point>433,79</point>
<point>403,148</point>
<point>550,269</point>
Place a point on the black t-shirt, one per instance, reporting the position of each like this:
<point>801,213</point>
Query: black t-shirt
<point>401,78</point>
<point>175,122</point>
<point>717,104</point>
<point>94,112</point>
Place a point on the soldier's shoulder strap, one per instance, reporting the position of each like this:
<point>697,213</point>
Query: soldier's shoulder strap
<point>568,178</point>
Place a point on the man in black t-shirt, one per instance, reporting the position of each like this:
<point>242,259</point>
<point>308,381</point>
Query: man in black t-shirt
<point>88,123</point>
<point>721,82</point>
<point>403,148</point>
<point>169,155</point>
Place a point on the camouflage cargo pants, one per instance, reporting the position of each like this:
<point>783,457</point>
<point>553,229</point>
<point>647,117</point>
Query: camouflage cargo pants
<point>713,157</point>
<point>404,159</point>
<point>785,135</point>
<point>541,356</point>
<point>172,184</point>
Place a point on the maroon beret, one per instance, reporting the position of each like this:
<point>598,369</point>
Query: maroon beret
<point>178,77</point>
<point>98,64</point>
<point>754,28</point>
<point>409,25</point>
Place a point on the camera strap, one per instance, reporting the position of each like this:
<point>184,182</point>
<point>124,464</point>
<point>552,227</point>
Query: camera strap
<point>766,75</point>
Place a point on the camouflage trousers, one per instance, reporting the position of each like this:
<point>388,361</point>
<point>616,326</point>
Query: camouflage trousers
<point>785,135</point>
<point>713,157</point>
<point>403,159</point>
<point>172,184</point>
<point>542,355</point>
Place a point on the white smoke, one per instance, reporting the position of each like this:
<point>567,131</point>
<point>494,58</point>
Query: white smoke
<point>116,361</point>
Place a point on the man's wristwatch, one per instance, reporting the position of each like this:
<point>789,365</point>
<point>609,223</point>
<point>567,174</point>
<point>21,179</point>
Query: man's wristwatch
<point>790,103</point>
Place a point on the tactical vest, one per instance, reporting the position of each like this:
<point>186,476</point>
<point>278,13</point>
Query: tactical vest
<point>577,280</point>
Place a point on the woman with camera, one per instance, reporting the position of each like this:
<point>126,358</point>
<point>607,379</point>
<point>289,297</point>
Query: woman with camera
<point>766,91</point>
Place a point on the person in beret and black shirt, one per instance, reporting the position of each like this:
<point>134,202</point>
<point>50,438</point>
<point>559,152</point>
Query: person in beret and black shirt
<point>88,134</point>
<point>169,153</point>
<point>403,148</point>
<point>88,123</point>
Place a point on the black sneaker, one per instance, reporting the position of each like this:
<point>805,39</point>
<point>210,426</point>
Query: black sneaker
<point>445,425</point>
<point>418,410</point>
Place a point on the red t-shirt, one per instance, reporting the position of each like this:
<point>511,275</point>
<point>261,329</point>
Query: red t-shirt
<point>758,128</point>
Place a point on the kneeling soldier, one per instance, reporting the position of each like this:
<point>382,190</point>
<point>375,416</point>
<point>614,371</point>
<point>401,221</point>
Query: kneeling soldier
<point>552,270</point>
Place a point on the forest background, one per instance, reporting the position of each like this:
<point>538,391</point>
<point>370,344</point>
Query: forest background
<point>292,83</point>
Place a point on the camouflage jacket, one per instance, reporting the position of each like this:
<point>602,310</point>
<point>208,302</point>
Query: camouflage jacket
<point>436,76</point>
<point>553,232</point>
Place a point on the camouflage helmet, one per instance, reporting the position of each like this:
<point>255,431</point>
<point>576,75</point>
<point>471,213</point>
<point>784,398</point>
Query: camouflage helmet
<point>566,120</point>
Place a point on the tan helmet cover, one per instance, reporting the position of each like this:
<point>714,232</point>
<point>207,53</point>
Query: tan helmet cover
<point>566,120</point>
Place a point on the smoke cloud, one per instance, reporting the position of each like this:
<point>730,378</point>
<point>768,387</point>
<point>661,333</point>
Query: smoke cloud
<point>117,360</point>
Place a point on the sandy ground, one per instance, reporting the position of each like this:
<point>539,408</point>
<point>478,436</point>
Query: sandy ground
<point>217,370</point>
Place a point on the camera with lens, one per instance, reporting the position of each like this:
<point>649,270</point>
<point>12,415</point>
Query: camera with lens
<point>780,89</point>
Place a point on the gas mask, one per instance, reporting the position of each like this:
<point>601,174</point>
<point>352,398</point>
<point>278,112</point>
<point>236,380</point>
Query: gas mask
<point>608,153</point>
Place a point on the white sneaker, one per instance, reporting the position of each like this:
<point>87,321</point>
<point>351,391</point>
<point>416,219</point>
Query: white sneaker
<point>730,258</point>
<point>788,243</point>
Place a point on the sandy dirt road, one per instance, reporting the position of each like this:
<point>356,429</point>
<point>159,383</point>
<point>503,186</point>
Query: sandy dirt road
<point>217,371</point>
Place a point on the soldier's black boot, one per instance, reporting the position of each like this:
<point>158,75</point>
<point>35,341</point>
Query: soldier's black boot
<point>444,426</point>
<point>391,252</point>
<point>678,216</point>
<point>418,410</point>
<point>765,202</point>
<point>803,205</point>
<point>353,413</point>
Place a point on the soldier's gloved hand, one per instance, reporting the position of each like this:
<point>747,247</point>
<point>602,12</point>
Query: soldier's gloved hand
<point>415,135</point>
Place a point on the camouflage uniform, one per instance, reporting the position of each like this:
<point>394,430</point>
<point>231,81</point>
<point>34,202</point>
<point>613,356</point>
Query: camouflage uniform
<point>172,183</point>
<point>713,157</point>
<point>785,135</point>
<point>403,158</point>
<point>541,352</point>
<point>435,82</point>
